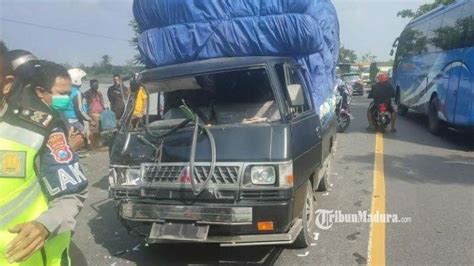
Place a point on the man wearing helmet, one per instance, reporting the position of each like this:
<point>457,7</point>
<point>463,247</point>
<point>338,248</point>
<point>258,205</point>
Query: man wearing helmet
<point>76,112</point>
<point>382,92</point>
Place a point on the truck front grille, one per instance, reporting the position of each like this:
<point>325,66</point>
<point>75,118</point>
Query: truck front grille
<point>176,174</point>
<point>262,195</point>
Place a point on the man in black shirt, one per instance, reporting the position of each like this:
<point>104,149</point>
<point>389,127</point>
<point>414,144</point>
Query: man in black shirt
<point>117,95</point>
<point>382,92</point>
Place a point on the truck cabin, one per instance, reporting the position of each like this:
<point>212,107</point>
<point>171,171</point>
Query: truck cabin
<point>235,91</point>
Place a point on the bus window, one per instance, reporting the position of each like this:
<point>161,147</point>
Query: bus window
<point>468,23</point>
<point>407,41</point>
<point>419,44</point>
<point>450,35</point>
<point>435,24</point>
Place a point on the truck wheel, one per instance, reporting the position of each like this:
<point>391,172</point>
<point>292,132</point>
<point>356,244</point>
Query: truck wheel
<point>307,216</point>
<point>434,124</point>
<point>325,182</point>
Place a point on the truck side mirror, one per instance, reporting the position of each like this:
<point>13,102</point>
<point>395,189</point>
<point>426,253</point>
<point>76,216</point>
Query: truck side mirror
<point>295,91</point>
<point>392,52</point>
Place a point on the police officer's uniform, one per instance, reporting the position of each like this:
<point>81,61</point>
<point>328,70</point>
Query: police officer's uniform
<point>40,180</point>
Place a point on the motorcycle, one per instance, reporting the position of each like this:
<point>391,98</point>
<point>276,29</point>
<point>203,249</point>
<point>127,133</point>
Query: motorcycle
<point>381,117</point>
<point>342,114</point>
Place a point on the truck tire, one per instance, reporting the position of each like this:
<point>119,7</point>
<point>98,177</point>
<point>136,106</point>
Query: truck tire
<point>308,217</point>
<point>325,182</point>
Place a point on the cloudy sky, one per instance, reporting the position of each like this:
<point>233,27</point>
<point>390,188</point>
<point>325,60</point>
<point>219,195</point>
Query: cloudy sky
<point>50,28</point>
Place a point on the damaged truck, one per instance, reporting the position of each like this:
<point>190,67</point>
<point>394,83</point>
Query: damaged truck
<point>240,128</point>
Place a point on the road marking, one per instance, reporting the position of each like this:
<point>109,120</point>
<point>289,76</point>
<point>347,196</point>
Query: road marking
<point>376,252</point>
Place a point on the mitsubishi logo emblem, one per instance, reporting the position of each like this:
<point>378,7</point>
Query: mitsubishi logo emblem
<point>185,176</point>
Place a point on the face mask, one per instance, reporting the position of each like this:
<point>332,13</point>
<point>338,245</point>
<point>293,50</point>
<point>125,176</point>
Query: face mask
<point>60,102</point>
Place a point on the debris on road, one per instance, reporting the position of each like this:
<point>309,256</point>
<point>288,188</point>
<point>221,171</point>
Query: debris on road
<point>304,255</point>
<point>316,236</point>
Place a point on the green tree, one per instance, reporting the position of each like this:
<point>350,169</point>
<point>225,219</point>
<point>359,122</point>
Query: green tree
<point>423,9</point>
<point>368,57</point>
<point>67,65</point>
<point>106,60</point>
<point>138,58</point>
<point>374,70</point>
<point>106,64</point>
<point>347,56</point>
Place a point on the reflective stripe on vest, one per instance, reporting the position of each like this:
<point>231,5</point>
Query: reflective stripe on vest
<point>18,205</point>
<point>21,135</point>
<point>21,197</point>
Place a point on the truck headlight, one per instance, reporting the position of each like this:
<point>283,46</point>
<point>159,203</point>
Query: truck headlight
<point>119,176</point>
<point>132,177</point>
<point>263,175</point>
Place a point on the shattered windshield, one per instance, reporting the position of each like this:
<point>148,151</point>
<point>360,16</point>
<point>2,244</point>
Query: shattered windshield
<point>232,97</point>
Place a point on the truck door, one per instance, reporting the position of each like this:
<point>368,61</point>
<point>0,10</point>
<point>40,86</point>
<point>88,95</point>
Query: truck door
<point>305,128</point>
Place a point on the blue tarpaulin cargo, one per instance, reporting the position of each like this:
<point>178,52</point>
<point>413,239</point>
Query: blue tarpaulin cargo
<point>178,31</point>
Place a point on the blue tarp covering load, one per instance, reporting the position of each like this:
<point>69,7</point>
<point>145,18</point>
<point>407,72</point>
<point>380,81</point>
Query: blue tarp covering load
<point>178,31</point>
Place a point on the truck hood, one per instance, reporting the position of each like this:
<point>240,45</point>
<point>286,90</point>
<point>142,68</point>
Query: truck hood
<point>234,143</point>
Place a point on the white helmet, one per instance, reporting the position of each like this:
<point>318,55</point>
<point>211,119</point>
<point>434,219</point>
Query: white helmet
<point>76,75</point>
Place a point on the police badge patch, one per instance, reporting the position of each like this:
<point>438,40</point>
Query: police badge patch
<point>57,144</point>
<point>38,118</point>
<point>12,164</point>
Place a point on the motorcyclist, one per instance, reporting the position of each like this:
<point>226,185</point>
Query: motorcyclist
<point>342,90</point>
<point>381,92</point>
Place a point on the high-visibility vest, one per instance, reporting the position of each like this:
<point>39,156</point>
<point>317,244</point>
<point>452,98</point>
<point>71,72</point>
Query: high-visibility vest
<point>21,196</point>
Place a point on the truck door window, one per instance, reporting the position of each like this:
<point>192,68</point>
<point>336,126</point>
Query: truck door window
<point>288,76</point>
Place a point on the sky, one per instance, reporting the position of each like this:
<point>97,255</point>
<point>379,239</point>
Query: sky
<point>366,26</point>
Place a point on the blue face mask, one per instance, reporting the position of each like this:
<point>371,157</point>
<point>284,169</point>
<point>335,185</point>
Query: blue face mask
<point>60,102</point>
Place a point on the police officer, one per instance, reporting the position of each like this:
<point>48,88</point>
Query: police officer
<point>42,187</point>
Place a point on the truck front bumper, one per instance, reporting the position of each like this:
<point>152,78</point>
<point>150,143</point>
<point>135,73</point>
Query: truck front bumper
<point>198,214</point>
<point>228,225</point>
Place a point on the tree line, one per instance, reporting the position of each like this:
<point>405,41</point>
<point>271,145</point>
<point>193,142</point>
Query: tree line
<point>105,67</point>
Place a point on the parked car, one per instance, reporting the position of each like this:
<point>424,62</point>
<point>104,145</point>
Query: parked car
<point>355,81</point>
<point>235,159</point>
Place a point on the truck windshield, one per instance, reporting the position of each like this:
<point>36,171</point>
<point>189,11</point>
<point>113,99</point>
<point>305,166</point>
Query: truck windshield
<point>231,97</point>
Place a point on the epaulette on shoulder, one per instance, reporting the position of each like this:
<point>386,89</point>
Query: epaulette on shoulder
<point>33,116</point>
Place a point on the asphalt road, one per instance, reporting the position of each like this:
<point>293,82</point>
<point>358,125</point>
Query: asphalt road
<point>429,179</point>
